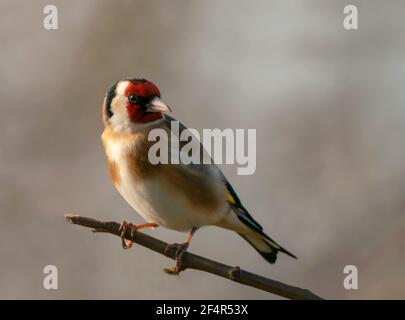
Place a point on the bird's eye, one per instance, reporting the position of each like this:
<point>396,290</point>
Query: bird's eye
<point>133,99</point>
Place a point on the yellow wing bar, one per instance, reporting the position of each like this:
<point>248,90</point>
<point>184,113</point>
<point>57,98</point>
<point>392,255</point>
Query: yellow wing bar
<point>230,199</point>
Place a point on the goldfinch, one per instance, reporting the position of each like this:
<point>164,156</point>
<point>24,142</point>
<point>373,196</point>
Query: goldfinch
<point>176,196</point>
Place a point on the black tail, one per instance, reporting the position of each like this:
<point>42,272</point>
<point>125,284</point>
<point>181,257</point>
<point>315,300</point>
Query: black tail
<point>265,246</point>
<point>262,243</point>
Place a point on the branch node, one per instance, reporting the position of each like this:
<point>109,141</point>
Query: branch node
<point>235,273</point>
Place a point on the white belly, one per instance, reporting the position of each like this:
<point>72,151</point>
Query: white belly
<point>159,203</point>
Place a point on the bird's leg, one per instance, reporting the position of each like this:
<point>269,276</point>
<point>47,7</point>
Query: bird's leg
<point>124,226</point>
<point>181,249</point>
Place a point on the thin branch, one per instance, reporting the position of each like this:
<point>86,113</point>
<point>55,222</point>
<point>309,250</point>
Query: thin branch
<point>192,261</point>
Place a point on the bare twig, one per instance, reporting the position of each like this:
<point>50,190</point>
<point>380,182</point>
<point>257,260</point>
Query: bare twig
<point>192,261</point>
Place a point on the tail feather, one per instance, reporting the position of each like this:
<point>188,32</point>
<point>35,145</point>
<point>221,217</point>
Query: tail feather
<point>255,236</point>
<point>265,246</point>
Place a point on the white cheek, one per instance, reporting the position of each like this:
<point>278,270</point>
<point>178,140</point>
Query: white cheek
<point>120,116</point>
<point>120,90</point>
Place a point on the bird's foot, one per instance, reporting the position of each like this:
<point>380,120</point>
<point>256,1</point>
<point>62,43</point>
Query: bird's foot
<point>180,250</point>
<point>124,226</point>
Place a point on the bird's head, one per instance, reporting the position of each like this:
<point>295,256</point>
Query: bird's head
<point>132,103</point>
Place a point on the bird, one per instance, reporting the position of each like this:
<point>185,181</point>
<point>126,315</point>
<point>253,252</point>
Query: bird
<point>177,196</point>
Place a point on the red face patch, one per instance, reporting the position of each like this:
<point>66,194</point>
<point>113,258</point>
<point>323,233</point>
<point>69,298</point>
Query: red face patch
<point>142,89</point>
<point>136,112</point>
<point>137,115</point>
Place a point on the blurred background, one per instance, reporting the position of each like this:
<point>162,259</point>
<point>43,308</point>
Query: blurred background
<point>327,103</point>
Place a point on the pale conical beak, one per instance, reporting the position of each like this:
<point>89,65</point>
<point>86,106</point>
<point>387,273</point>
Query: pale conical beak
<point>157,105</point>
